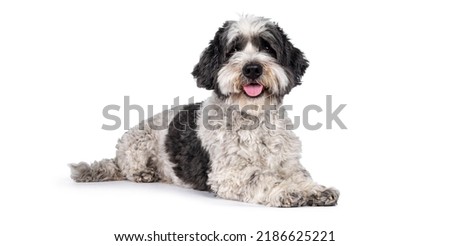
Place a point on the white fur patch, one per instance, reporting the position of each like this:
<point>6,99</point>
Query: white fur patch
<point>247,26</point>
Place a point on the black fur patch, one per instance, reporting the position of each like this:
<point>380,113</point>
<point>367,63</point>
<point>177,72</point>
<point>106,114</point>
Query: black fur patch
<point>291,58</point>
<point>185,148</point>
<point>211,59</point>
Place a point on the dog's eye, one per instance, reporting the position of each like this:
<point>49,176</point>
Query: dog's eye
<point>265,46</point>
<point>233,50</point>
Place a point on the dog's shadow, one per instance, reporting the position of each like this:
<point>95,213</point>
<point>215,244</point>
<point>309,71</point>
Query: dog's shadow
<point>163,190</point>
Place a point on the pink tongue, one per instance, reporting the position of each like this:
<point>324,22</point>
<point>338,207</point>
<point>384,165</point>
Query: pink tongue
<point>253,90</point>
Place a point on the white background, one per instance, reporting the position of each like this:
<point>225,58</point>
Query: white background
<point>61,62</point>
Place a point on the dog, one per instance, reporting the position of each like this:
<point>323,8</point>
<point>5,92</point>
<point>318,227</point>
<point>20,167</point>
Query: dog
<point>248,154</point>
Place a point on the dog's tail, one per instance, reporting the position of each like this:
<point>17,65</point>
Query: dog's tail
<point>104,170</point>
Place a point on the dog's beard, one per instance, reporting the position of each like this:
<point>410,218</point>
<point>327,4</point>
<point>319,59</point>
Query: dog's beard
<point>253,105</point>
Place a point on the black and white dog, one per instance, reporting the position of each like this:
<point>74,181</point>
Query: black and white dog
<point>231,144</point>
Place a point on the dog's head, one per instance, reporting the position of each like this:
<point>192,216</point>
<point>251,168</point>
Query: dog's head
<point>250,58</point>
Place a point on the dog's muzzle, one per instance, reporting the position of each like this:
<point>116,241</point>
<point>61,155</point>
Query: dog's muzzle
<point>253,71</point>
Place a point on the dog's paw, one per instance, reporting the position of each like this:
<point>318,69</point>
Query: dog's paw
<point>327,197</point>
<point>146,176</point>
<point>292,199</point>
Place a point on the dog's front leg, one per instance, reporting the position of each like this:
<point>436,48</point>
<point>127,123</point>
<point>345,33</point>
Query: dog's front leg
<point>254,185</point>
<point>315,194</point>
<point>274,188</point>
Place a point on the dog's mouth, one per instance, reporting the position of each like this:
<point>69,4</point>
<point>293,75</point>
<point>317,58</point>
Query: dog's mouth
<point>253,89</point>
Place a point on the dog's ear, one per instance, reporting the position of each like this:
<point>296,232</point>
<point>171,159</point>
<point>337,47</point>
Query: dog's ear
<point>210,60</point>
<point>292,58</point>
<point>298,63</point>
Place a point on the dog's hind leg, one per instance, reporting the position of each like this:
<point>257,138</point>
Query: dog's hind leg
<point>147,174</point>
<point>136,158</point>
<point>137,155</point>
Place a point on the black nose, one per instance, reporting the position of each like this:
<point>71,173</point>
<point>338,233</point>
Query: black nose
<point>252,70</point>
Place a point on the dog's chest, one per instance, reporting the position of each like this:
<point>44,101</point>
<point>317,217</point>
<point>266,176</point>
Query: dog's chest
<point>259,146</point>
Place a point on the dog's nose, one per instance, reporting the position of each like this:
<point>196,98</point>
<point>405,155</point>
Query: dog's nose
<point>252,70</point>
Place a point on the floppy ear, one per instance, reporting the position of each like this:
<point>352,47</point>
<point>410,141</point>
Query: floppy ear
<point>292,58</point>
<point>297,63</point>
<point>210,60</point>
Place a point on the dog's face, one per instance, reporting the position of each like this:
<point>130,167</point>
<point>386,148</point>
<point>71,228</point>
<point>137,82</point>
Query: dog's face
<point>249,59</point>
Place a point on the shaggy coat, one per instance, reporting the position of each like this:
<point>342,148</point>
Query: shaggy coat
<point>236,144</point>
